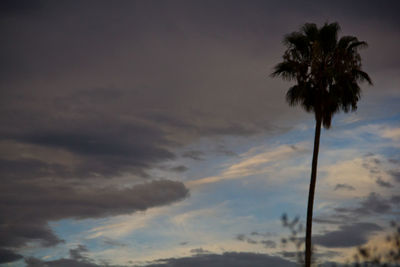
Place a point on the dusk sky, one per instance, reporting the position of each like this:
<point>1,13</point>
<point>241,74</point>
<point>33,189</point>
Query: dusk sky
<point>150,133</point>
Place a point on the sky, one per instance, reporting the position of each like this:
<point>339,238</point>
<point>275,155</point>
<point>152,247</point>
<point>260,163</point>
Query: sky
<point>150,133</point>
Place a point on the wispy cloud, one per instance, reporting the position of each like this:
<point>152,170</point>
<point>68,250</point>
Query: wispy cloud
<point>392,133</point>
<point>255,161</point>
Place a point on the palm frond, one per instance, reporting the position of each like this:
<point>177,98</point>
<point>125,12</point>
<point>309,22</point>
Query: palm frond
<point>361,76</point>
<point>294,95</point>
<point>310,30</point>
<point>288,70</point>
<point>298,43</point>
<point>346,40</point>
<point>328,36</point>
<point>358,44</point>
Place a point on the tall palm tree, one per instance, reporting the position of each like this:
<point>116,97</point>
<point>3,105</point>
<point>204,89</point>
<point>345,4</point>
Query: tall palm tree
<point>327,72</point>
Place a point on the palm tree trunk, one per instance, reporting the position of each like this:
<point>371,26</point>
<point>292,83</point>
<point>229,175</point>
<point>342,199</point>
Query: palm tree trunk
<point>312,191</point>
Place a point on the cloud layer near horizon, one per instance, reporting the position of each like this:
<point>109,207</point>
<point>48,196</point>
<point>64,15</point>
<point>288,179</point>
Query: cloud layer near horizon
<point>233,259</point>
<point>27,208</point>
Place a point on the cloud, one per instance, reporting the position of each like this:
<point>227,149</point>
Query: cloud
<point>200,259</point>
<point>268,243</point>
<point>193,154</point>
<point>267,234</point>
<point>391,133</point>
<point>233,259</point>
<point>257,239</point>
<point>121,148</point>
<point>222,150</point>
<point>33,205</point>
<point>383,183</point>
<point>34,262</point>
<point>344,187</point>
<point>395,200</point>
<point>395,174</point>
<point>199,251</point>
<point>374,203</point>
<point>347,235</point>
<point>7,255</point>
<point>12,169</point>
<point>76,253</point>
<point>179,168</point>
<point>354,177</point>
<point>76,258</point>
<point>190,217</point>
<point>242,237</point>
<point>253,162</point>
<point>24,7</point>
<point>113,243</point>
<point>325,221</point>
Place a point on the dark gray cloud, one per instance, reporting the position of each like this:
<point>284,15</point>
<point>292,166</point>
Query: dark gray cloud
<point>257,239</point>
<point>326,221</point>
<point>372,164</point>
<point>383,183</point>
<point>395,174</point>
<point>113,242</point>
<point>222,150</point>
<point>179,168</point>
<point>298,256</point>
<point>26,208</point>
<point>97,144</point>
<point>23,168</point>
<point>34,262</point>
<point>347,235</point>
<point>193,154</point>
<point>344,187</point>
<point>395,200</point>
<point>242,237</point>
<point>234,259</point>
<point>17,234</point>
<point>46,202</point>
<point>76,258</point>
<point>7,255</point>
<point>199,251</point>
<point>77,253</point>
<point>268,243</point>
<point>266,234</point>
<point>374,203</point>
<point>21,7</point>
<point>291,255</point>
<point>106,148</point>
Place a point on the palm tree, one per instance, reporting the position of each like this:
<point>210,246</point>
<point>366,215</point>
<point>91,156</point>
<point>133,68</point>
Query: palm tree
<point>327,72</point>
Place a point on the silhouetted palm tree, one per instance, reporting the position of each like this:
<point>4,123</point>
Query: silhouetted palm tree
<point>327,72</point>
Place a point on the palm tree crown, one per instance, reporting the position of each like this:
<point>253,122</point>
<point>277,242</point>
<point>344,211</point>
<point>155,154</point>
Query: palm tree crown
<point>327,70</point>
